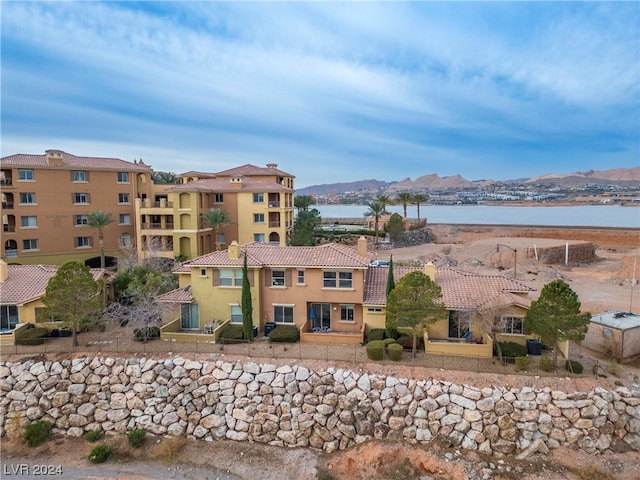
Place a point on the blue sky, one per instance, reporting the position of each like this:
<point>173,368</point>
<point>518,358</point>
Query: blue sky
<point>330,92</point>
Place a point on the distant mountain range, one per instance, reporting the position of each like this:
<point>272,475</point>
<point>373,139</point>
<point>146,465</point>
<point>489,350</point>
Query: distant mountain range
<point>618,176</point>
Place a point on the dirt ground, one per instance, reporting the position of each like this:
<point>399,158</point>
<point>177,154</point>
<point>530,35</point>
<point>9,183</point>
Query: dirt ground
<point>605,283</point>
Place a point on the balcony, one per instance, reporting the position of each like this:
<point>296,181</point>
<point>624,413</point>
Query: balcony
<point>7,205</point>
<point>6,182</point>
<point>8,228</point>
<point>275,224</point>
<point>274,204</point>
<point>11,252</point>
<point>157,226</point>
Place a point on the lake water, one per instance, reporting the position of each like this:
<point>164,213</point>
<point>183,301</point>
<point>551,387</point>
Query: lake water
<point>578,216</point>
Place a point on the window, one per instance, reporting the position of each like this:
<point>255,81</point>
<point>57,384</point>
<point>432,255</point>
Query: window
<point>125,219</point>
<point>83,242</point>
<point>80,220</point>
<point>258,218</point>
<point>123,198</point>
<point>31,244</point>
<point>125,240</point>
<point>300,277</point>
<point>221,238</point>
<point>258,237</point>
<point>203,272</point>
<point>28,198</point>
<point>80,198</point>
<point>346,313</point>
<point>236,314</point>
<point>320,317</point>
<point>459,323</point>
<point>123,177</point>
<point>374,310</point>
<point>79,176</point>
<point>277,278</point>
<point>230,278</point>
<point>25,175</point>
<point>338,280</point>
<point>189,316</point>
<point>283,313</point>
<point>8,317</point>
<point>258,198</point>
<point>218,198</point>
<point>29,222</point>
<point>513,325</point>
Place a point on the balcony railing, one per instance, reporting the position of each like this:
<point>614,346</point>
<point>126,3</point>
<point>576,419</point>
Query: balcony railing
<point>274,204</point>
<point>8,228</point>
<point>157,226</point>
<point>274,224</point>
<point>7,205</point>
<point>6,181</point>
<point>11,252</point>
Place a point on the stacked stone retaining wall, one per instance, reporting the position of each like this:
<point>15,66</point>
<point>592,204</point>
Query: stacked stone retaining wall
<point>295,406</point>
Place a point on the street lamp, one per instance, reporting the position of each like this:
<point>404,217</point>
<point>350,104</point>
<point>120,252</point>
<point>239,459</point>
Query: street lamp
<point>515,257</point>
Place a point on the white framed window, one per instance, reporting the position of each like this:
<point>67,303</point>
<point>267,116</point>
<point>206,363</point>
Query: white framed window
<point>300,277</point>
<point>27,198</point>
<point>278,278</point>
<point>236,313</point>
<point>80,198</point>
<point>258,218</point>
<point>230,278</point>
<point>203,272</point>
<point>29,222</point>
<point>125,240</point>
<point>80,220</point>
<point>83,242</point>
<point>259,237</point>
<point>258,198</point>
<point>218,198</point>
<point>30,244</point>
<point>123,198</point>
<point>125,219</point>
<point>333,279</point>
<point>347,313</point>
<point>123,177</point>
<point>513,325</point>
<point>25,175</point>
<point>283,314</point>
<point>80,176</point>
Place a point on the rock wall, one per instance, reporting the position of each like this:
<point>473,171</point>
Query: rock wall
<point>295,406</point>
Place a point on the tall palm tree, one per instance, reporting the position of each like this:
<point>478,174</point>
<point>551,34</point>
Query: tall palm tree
<point>217,219</point>
<point>164,178</point>
<point>419,198</point>
<point>384,200</point>
<point>404,198</point>
<point>303,202</point>
<point>376,210</point>
<point>100,220</point>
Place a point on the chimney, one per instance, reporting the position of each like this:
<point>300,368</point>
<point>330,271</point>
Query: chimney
<point>54,157</point>
<point>272,165</point>
<point>4,271</point>
<point>430,271</point>
<point>236,182</point>
<point>234,250</point>
<point>362,246</point>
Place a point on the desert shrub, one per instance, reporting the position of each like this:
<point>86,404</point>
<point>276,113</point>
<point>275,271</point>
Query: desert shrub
<point>573,366</point>
<point>546,364</point>
<point>511,350</point>
<point>136,437</point>
<point>99,454</point>
<point>33,336</point>
<point>618,383</point>
<point>151,333</point>
<point>522,363</point>
<point>592,472</point>
<point>376,334</point>
<point>614,368</point>
<point>395,351</point>
<point>285,334</point>
<point>375,350</point>
<point>92,435</point>
<point>37,432</point>
<point>170,448</point>
<point>407,341</point>
<point>388,341</point>
<point>391,332</point>
<point>231,333</point>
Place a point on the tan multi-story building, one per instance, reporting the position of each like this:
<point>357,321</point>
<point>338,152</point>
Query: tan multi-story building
<point>46,199</point>
<point>258,200</point>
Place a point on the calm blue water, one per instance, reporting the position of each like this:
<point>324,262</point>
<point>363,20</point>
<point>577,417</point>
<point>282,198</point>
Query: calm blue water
<point>579,216</point>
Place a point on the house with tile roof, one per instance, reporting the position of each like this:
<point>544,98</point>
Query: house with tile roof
<point>21,290</point>
<point>46,199</point>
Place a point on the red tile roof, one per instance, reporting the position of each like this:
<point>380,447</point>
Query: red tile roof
<point>27,283</point>
<point>179,295</point>
<point>252,170</point>
<point>224,185</point>
<point>72,161</point>
<point>460,290</point>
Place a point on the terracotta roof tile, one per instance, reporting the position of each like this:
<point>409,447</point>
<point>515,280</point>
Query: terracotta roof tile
<point>252,170</point>
<point>179,295</point>
<point>72,161</point>
<point>224,185</point>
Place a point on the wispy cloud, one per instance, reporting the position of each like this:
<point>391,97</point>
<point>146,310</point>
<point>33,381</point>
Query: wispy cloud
<point>329,91</point>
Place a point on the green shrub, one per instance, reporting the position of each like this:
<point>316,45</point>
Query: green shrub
<point>522,363</point>
<point>92,435</point>
<point>33,336</point>
<point>99,454</point>
<point>407,341</point>
<point>391,332</point>
<point>136,437</point>
<point>285,334</point>
<point>388,341</point>
<point>511,350</point>
<point>614,368</point>
<point>395,351</point>
<point>375,350</point>
<point>37,432</point>
<point>231,333</point>
<point>573,366</point>
<point>151,333</point>
<point>376,334</point>
<point>546,364</point>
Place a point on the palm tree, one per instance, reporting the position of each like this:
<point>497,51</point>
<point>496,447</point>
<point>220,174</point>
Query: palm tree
<point>216,218</point>
<point>99,220</point>
<point>384,200</point>
<point>404,198</point>
<point>375,210</point>
<point>419,198</point>
<point>164,178</point>
<point>303,202</point>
